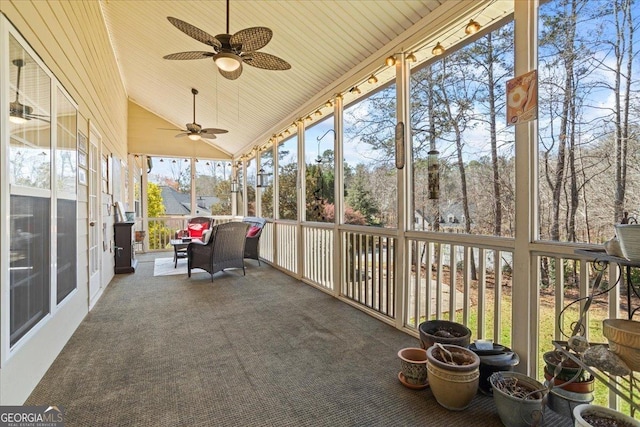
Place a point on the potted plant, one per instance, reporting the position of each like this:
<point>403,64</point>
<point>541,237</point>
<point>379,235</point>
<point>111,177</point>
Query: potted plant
<point>569,385</point>
<point>453,374</point>
<point>588,415</point>
<point>413,362</point>
<point>519,399</point>
<point>443,332</point>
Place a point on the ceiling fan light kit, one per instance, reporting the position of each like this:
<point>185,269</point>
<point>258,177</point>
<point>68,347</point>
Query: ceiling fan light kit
<point>227,61</point>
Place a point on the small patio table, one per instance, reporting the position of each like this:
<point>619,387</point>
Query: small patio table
<point>180,249</point>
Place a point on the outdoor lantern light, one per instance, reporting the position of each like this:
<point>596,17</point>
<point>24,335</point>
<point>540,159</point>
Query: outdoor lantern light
<point>234,185</point>
<point>438,49</point>
<point>472,27</point>
<point>433,170</point>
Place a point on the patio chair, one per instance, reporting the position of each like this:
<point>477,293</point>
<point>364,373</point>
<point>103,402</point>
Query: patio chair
<point>252,245</point>
<point>224,249</point>
<point>196,227</point>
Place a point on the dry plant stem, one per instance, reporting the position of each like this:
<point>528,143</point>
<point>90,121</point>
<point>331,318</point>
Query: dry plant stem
<point>443,352</point>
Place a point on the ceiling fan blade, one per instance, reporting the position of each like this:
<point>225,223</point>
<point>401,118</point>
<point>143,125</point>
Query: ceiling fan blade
<point>195,32</point>
<point>265,61</point>
<point>212,131</point>
<point>180,135</point>
<point>207,136</point>
<point>174,129</point>
<point>231,75</point>
<point>253,38</point>
<point>189,55</point>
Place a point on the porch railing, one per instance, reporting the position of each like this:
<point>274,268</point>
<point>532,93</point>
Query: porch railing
<point>318,255</point>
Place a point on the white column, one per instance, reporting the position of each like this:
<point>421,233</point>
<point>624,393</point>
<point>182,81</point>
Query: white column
<point>301,200</point>
<point>404,186</point>
<point>525,305</point>
<point>338,195</point>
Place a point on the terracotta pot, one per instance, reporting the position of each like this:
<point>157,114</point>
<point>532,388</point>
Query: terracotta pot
<point>444,332</point>
<point>573,386</point>
<point>580,411</point>
<point>453,386</point>
<point>414,365</point>
<point>569,369</point>
<point>516,411</point>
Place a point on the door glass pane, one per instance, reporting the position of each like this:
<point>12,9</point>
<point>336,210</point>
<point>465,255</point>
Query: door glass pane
<point>29,263</point>
<point>66,248</point>
<point>29,120</point>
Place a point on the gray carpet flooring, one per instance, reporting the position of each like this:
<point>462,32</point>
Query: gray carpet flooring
<point>255,350</point>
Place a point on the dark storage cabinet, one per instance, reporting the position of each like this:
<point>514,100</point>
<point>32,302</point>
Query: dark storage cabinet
<point>125,256</point>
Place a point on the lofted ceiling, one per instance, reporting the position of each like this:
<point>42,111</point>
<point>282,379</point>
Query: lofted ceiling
<point>324,41</point>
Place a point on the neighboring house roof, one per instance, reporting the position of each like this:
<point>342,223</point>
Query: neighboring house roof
<point>177,203</point>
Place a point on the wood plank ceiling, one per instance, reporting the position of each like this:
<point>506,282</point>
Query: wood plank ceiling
<point>322,40</point>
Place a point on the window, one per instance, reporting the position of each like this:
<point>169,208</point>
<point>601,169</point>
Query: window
<point>288,178</point>
<point>240,193</point>
<point>266,168</point>
<point>251,187</point>
<point>66,218</point>
<point>589,149</point>
<point>30,199</point>
<point>66,248</point>
<point>213,187</point>
<point>30,121</point>
<point>320,167</point>
<point>370,176</point>
<point>29,266</point>
<point>463,151</point>
<point>172,177</point>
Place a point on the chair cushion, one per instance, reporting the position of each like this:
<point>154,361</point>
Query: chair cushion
<point>253,231</point>
<point>207,235</point>
<point>196,230</point>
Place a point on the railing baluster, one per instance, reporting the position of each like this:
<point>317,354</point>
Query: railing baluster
<point>452,282</point>
<point>466,283</point>
<point>482,288</point>
<point>497,296</point>
<point>428,280</point>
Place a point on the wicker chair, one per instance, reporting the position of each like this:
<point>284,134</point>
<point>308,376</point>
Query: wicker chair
<point>224,249</point>
<point>252,246</point>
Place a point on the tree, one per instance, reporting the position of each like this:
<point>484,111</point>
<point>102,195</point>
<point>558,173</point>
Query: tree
<point>223,193</point>
<point>159,233</point>
<point>360,199</point>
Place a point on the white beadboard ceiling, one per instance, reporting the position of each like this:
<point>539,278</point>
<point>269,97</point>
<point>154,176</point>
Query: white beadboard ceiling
<point>324,41</point>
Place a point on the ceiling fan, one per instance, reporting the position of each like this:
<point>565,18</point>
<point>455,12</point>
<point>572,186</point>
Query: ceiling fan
<point>230,51</point>
<point>19,113</point>
<point>194,131</point>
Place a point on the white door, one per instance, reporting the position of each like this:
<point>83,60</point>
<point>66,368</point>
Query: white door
<point>95,220</point>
